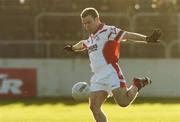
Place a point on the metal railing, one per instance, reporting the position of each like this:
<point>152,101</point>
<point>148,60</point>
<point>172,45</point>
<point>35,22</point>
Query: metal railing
<point>132,22</point>
<point>167,48</point>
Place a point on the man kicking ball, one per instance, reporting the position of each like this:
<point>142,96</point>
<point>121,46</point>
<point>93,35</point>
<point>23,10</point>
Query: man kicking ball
<point>103,48</point>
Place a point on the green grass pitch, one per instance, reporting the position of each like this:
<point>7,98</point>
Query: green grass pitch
<point>66,110</point>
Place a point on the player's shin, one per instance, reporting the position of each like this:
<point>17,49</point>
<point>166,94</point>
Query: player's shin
<point>132,93</point>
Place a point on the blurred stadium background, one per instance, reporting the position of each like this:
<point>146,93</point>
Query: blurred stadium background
<point>37,29</point>
<point>34,32</point>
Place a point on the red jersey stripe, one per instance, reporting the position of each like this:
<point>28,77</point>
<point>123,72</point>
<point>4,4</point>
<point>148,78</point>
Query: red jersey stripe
<point>111,51</point>
<point>119,35</point>
<point>84,45</point>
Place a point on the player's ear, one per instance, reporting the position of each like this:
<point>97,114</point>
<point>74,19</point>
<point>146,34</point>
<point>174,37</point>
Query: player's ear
<point>96,19</point>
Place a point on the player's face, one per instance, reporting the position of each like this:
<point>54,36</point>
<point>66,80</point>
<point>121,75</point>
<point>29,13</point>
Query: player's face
<point>90,24</point>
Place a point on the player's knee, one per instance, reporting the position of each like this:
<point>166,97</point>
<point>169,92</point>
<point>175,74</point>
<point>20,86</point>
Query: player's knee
<point>122,104</point>
<point>94,108</point>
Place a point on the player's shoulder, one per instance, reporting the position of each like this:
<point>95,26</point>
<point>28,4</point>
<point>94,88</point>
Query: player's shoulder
<point>108,26</point>
<point>111,28</point>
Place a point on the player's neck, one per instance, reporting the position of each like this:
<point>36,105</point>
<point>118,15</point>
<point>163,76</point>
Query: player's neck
<point>99,26</point>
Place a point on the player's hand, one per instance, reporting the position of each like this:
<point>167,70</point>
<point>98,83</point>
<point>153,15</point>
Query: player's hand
<point>154,37</point>
<point>68,48</point>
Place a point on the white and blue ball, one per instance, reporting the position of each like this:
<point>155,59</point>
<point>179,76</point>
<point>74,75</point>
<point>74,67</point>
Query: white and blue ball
<point>80,91</point>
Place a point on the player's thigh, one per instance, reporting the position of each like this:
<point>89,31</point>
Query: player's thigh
<point>119,94</point>
<point>97,98</point>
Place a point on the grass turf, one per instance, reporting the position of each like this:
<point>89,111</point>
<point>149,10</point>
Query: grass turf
<point>66,110</point>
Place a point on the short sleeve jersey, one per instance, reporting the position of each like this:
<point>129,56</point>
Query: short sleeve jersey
<point>104,46</point>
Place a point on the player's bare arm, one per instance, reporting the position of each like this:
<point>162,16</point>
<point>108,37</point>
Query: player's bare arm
<point>153,38</point>
<point>77,47</point>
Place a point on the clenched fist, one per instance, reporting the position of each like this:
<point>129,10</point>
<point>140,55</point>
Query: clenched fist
<point>68,48</point>
<point>154,37</point>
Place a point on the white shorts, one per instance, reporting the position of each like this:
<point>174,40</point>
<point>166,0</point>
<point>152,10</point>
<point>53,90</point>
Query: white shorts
<point>107,83</point>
